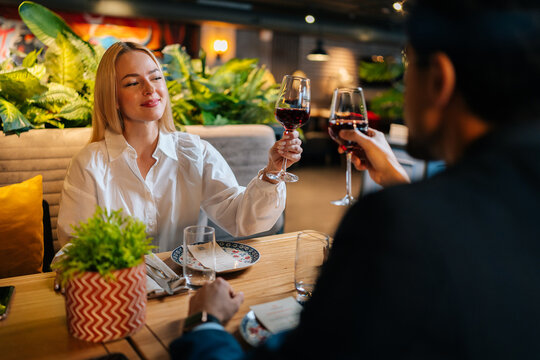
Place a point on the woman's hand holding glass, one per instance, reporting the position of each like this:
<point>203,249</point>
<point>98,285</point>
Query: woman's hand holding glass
<point>377,157</point>
<point>287,148</point>
<point>292,111</point>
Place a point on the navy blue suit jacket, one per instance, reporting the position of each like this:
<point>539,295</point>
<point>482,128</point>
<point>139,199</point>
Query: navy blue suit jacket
<point>447,268</point>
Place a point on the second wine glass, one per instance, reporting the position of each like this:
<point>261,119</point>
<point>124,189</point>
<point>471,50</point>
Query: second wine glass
<point>348,111</point>
<point>292,111</point>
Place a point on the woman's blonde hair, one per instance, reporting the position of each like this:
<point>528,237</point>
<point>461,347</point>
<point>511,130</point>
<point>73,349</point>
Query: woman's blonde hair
<point>106,113</point>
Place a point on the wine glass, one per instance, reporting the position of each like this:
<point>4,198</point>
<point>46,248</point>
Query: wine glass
<point>292,111</point>
<point>348,111</point>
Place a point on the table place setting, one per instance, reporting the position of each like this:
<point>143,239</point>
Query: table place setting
<point>224,260</point>
<point>161,280</point>
<point>270,318</point>
<point>230,256</point>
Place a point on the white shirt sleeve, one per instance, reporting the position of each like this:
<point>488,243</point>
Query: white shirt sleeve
<point>241,211</point>
<point>79,198</point>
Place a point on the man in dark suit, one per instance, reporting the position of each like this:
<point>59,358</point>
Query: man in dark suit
<point>447,268</point>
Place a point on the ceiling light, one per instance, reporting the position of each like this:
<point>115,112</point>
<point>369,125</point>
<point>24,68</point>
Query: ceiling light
<point>318,54</point>
<point>310,19</point>
<point>220,46</point>
<point>397,6</point>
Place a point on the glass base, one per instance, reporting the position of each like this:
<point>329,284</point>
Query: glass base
<point>282,176</point>
<point>346,201</point>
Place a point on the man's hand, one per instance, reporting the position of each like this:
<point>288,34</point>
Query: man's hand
<point>216,298</point>
<point>380,160</point>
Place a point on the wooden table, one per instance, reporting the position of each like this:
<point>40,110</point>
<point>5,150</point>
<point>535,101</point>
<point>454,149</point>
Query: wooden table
<point>36,325</point>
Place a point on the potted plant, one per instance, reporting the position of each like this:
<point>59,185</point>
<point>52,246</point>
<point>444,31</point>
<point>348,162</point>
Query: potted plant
<point>104,275</point>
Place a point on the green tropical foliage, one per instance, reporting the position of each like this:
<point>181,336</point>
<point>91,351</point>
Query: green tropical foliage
<point>380,71</point>
<point>55,89</point>
<point>238,92</point>
<point>388,104</point>
<point>106,242</point>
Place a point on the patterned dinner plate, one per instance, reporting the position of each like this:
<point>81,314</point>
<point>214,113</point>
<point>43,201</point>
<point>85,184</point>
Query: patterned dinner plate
<point>243,253</point>
<point>252,331</point>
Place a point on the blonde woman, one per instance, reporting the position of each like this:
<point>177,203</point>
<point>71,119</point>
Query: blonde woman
<point>138,162</point>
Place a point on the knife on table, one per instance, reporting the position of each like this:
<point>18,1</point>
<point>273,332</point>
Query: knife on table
<point>161,281</point>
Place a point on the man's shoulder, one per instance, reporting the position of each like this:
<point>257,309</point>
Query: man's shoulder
<point>412,210</point>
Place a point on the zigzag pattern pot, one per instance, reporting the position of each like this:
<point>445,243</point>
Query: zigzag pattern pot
<point>98,310</point>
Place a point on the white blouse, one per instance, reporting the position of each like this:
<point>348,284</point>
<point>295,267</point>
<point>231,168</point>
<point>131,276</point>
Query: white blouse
<point>189,175</point>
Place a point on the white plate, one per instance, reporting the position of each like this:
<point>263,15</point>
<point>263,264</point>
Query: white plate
<point>241,252</point>
<point>252,331</point>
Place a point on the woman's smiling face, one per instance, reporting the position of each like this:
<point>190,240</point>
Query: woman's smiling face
<point>141,89</point>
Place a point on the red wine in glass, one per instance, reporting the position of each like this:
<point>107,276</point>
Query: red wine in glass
<point>292,118</point>
<point>347,112</point>
<point>346,122</point>
<point>292,111</point>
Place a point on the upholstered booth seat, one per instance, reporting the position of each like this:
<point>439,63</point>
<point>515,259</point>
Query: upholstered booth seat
<point>49,151</point>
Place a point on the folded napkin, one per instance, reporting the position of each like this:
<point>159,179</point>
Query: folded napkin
<point>153,289</point>
<point>224,261</point>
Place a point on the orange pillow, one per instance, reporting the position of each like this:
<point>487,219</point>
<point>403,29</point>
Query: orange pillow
<point>21,228</point>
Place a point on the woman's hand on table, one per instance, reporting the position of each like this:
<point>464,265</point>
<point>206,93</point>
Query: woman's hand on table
<point>379,159</point>
<point>217,298</point>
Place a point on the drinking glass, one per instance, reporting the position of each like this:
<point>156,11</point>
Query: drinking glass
<point>348,111</point>
<point>199,259</point>
<point>311,252</point>
<point>292,111</point>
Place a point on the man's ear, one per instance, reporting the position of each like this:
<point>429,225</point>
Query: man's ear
<point>441,79</point>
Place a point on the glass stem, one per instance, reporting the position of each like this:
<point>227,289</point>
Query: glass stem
<point>284,163</point>
<point>348,175</point>
<point>284,166</point>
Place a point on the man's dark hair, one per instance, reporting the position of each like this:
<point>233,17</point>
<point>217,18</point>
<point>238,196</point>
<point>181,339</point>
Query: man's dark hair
<point>494,46</point>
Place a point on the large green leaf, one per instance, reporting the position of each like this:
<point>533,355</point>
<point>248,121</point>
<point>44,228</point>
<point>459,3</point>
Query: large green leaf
<point>19,85</point>
<point>88,55</point>
<point>56,97</point>
<point>39,71</point>
<point>31,59</point>
<point>46,25</point>
<point>39,116</point>
<point>77,110</point>
<point>13,121</point>
<point>64,63</point>
<point>177,63</point>
<point>234,71</point>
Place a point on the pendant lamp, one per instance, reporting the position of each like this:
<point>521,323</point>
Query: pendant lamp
<point>318,54</point>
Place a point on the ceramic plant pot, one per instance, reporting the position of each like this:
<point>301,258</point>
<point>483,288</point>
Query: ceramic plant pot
<point>99,310</point>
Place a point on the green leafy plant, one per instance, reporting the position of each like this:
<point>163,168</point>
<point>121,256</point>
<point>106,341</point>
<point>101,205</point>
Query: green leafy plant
<point>237,92</point>
<point>389,103</point>
<point>106,242</point>
<point>382,71</point>
<point>55,89</point>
